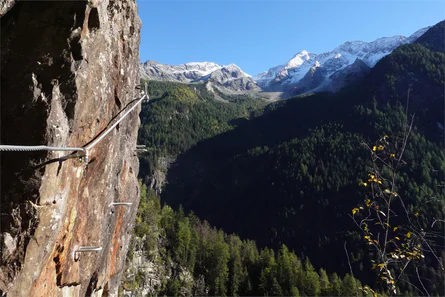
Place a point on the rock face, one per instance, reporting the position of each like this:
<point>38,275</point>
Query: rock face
<point>67,69</point>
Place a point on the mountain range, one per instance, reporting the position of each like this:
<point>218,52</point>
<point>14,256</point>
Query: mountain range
<point>228,79</point>
<point>305,73</point>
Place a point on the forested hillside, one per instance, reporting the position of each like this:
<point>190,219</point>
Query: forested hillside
<point>291,172</point>
<point>178,116</point>
<point>193,258</point>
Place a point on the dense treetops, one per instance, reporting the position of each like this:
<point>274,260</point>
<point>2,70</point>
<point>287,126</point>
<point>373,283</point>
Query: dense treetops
<point>218,264</point>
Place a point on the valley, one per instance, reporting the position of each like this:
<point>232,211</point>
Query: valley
<point>286,174</point>
<point>302,156</point>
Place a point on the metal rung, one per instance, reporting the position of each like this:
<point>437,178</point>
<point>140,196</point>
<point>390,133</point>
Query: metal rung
<point>85,249</point>
<point>121,204</point>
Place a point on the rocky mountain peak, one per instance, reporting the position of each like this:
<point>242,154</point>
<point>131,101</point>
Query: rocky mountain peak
<point>226,78</point>
<point>288,76</point>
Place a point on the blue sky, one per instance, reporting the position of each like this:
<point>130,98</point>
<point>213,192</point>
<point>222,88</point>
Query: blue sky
<point>259,34</point>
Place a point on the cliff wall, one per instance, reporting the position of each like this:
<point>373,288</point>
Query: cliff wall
<point>67,68</point>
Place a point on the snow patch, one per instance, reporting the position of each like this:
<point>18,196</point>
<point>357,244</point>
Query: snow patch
<point>342,56</point>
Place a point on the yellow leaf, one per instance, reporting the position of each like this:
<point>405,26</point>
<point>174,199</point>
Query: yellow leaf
<point>379,181</point>
<point>392,155</point>
<point>408,235</point>
<point>366,237</point>
<point>374,148</point>
<point>375,241</point>
<point>395,228</point>
<point>354,211</point>
<point>365,184</point>
<point>416,214</point>
<point>368,202</point>
<point>381,148</point>
<point>397,238</point>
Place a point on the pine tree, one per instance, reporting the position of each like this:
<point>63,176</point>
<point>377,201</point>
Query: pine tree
<point>184,237</point>
<point>219,275</point>
<point>311,281</point>
<point>336,285</point>
<point>276,288</point>
<point>325,285</point>
<point>236,273</point>
<point>349,286</point>
<point>294,292</point>
<point>268,271</point>
<point>286,271</point>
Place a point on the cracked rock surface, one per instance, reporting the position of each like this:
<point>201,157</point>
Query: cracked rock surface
<point>67,68</point>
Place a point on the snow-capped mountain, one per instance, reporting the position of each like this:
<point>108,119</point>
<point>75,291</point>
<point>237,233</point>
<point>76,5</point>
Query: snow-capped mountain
<point>307,72</point>
<point>229,79</point>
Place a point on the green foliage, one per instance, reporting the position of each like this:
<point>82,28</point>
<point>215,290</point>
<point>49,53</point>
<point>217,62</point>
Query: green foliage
<point>289,173</point>
<point>221,264</point>
<point>178,116</point>
<point>325,285</point>
<point>311,282</point>
<point>148,219</point>
<point>297,170</point>
<point>336,285</point>
<point>349,286</point>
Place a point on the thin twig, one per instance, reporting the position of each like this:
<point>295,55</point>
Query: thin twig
<point>418,276</point>
<point>350,268</point>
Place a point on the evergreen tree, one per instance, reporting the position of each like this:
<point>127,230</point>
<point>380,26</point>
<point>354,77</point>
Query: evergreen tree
<point>236,273</point>
<point>336,285</point>
<point>294,292</point>
<point>325,285</point>
<point>311,281</point>
<point>268,271</point>
<point>286,271</point>
<point>348,287</point>
<point>219,271</point>
<point>276,288</point>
